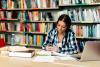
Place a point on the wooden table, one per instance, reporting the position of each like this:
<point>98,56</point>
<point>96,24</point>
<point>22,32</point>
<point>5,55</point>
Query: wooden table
<point>6,61</point>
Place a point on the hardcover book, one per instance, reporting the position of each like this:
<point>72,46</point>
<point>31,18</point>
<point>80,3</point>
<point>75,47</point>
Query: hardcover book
<point>24,52</point>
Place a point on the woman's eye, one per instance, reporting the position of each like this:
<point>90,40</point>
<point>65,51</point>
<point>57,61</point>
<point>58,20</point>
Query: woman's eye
<point>63,27</point>
<point>58,25</point>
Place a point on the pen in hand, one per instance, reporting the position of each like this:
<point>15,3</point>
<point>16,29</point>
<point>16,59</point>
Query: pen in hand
<point>52,48</point>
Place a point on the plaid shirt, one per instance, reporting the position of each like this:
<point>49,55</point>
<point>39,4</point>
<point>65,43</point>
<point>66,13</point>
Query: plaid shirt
<point>69,43</point>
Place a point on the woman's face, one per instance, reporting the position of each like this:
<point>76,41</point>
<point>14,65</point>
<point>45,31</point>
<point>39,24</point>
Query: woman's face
<point>61,27</point>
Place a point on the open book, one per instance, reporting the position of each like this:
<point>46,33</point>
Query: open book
<point>48,56</point>
<point>21,51</point>
<point>49,53</point>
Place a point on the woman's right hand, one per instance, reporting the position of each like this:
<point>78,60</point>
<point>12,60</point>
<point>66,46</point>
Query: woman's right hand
<point>49,48</point>
<point>52,48</point>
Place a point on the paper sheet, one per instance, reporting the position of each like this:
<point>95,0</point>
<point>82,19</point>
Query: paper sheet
<point>66,58</point>
<point>47,56</point>
<point>44,53</point>
<point>17,48</point>
<point>44,59</point>
<point>49,53</point>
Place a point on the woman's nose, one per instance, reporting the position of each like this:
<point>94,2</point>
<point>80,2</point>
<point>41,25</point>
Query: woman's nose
<point>60,28</point>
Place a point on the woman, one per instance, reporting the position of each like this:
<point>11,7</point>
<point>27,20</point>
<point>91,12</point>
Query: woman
<point>61,39</point>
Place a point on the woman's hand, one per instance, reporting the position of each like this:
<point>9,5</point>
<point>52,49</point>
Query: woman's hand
<point>52,48</point>
<point>49,48</point>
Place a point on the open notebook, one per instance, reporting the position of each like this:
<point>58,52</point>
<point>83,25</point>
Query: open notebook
<point>44,56</point>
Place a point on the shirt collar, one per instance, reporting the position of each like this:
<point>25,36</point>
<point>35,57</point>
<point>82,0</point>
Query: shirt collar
<point>56,31</point>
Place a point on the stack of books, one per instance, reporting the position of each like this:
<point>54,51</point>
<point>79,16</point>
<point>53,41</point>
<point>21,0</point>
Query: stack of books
<point>21,51</point>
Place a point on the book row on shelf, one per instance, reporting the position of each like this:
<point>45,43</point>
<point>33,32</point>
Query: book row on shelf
<point>23,39</point>
<point>89,30</point>
<point>75,2</point>
<point>29,15</point>
<point>24,4</point>
<point>28,40</point>
<point>22,27</point>
<point>83,14</point>
<point>78,14</point>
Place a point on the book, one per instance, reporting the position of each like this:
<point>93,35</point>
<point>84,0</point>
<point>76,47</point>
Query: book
<point>48,56</point>
<point>27,54</point>
<point>50,53</point>
<point>2,42</point>
<point>24,52</point>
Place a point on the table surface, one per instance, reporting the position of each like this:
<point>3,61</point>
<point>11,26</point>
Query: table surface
<point>6,61</point>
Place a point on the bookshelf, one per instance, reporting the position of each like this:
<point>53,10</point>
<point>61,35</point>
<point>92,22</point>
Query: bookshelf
<point>85,16</point>
<point>26,22</point>
<point>31,20</point>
